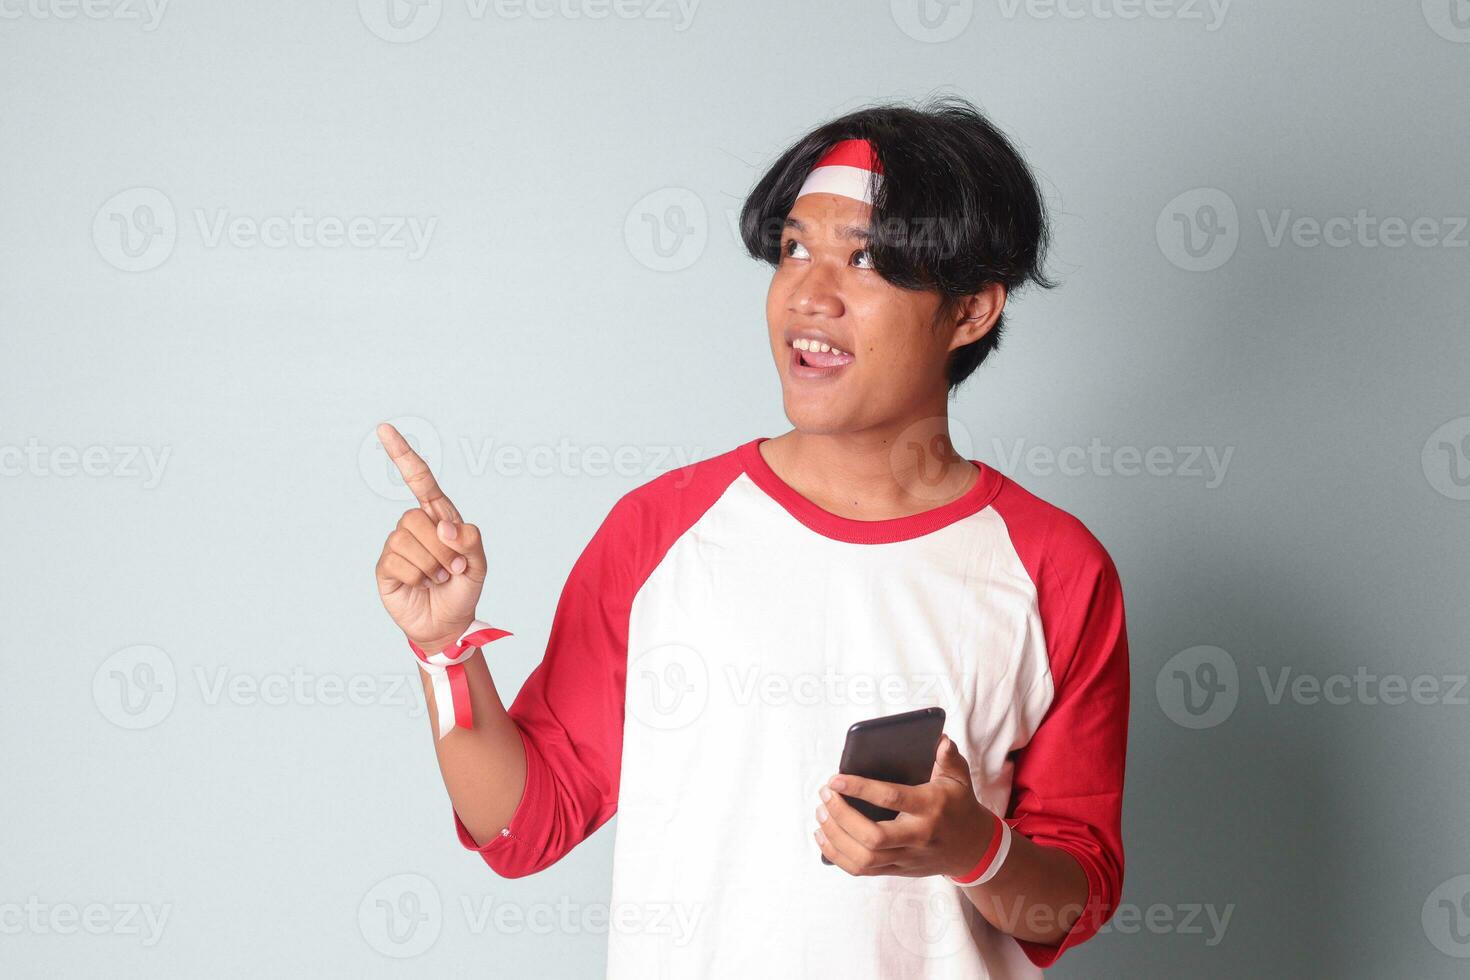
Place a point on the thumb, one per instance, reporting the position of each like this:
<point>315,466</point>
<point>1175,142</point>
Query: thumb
<point>465,539</point>
<point>949,763</point>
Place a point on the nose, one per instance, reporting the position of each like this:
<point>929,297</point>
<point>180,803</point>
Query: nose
<point>816,294</point>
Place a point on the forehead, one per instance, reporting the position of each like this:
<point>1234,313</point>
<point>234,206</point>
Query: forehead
<point>827,212</point>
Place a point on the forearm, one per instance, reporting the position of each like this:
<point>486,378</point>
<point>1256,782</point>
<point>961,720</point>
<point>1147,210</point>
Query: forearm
<point>484,767</point>
<point>1037,895</point>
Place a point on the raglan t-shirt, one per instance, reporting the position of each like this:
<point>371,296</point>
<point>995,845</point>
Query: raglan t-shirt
<point>711,646</point>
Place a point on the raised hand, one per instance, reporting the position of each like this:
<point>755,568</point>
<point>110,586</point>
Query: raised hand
<point>432,567</point>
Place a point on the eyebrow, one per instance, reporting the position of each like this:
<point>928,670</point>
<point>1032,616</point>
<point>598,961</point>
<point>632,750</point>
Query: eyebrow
<point>853,232</point>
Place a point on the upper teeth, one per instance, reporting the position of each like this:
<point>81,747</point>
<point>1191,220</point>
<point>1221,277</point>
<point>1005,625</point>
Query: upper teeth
<point>802,343</point>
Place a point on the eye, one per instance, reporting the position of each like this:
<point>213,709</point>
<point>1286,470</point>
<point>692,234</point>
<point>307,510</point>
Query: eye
<point>862,258</point>
<point>793,249</point>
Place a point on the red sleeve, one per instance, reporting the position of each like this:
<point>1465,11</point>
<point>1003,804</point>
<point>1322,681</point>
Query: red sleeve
<point>1067,788</point>
<point>570,710</point>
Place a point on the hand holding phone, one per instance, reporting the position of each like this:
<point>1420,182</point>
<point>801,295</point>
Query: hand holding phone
<point>894,749</point>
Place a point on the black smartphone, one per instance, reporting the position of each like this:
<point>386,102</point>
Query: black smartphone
<point>893,749</point>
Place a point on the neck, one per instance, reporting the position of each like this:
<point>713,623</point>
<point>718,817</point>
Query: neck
<point>888,471</point>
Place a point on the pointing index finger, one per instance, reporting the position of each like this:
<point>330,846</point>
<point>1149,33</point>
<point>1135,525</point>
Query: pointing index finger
<point>417,475</point>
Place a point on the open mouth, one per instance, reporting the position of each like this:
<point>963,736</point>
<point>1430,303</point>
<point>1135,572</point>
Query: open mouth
<point>811,358</point>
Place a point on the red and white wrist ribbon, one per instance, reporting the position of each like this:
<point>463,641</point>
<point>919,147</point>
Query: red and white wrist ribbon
<point>446,674</point>
<point>991,860</point>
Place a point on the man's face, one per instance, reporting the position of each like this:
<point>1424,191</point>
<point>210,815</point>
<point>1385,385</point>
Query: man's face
<point>825,293</point>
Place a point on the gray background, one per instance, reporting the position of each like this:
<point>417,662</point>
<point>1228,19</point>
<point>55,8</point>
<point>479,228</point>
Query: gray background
<point>176,641</point>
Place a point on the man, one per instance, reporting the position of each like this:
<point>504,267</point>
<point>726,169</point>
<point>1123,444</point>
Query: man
<point>729,620</point>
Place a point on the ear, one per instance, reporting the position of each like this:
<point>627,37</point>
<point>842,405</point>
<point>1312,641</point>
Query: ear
<point>975,315</point>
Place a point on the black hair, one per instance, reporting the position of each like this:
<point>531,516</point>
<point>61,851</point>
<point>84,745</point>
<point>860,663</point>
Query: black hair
<point>958,208</point>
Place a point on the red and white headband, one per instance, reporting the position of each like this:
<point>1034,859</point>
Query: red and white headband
<point>850,168</point>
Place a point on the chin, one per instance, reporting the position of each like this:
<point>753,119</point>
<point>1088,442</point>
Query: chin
<point>817,419</point>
